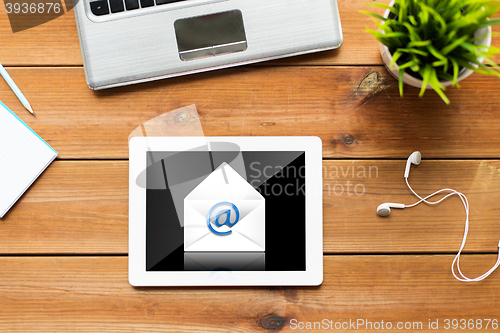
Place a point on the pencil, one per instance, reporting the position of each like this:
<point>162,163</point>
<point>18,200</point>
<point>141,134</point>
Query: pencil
<point>16,90</point>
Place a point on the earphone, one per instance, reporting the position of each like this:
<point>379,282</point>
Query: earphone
<point>385,209</point>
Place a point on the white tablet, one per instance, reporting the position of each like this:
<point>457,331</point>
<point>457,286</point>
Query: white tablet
<point>225,211</point>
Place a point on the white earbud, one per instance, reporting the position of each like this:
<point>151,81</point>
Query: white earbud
<point>414,158</point>
<point>385,208</point>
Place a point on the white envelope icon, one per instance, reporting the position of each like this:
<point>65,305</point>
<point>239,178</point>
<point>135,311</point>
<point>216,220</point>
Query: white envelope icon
<point>224,213</point>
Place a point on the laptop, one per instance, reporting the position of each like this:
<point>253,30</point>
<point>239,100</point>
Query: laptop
<point>132,41</point>
<point>225,211</point>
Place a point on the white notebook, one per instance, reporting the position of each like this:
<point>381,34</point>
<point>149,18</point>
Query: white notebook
<point>23,157</point>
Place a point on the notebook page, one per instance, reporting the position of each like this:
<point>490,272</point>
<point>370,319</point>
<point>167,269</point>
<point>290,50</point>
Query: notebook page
<point>23,157</point>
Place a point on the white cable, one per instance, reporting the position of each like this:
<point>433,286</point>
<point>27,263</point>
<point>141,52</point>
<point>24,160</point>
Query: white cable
<point>456,260</point>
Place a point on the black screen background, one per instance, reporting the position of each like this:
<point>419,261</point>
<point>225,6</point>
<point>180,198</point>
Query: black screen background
<point>285,216</point>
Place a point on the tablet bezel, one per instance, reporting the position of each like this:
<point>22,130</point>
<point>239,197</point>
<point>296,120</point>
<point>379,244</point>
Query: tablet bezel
<point>313,275</point>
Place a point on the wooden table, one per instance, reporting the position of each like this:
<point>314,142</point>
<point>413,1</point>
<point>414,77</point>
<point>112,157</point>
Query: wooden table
<point>63,246</point>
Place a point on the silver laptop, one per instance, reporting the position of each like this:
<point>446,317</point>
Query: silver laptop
<point>131,41</point>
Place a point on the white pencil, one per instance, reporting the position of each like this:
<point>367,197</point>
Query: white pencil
<point>16,90</point>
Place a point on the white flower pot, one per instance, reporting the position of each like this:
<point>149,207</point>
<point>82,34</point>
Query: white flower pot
<point>412,81</point>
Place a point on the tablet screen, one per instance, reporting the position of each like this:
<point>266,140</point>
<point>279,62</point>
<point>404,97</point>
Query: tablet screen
<point>210,211</point>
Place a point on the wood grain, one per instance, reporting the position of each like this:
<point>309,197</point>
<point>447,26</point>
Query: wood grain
<point>356,111</point>
<point>81,207</point>
<point>56,42</point>
<point>71,294</point>
<point>74,207</point>
<point>77,211</point>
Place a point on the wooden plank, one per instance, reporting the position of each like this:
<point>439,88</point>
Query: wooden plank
<point>354,189</point>
<point>78,294</point>
<point>74,207</point>
<point>53,43</point>
<point>56,42</point>
<point>82,207</point>
<point>356,111</point>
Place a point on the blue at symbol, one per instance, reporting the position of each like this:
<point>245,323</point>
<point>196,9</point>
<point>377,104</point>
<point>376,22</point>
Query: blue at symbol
<point>228,218</point>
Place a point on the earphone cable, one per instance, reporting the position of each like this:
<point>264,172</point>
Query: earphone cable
<point>456,260</point>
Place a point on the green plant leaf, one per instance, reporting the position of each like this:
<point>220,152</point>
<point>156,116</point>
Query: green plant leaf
<point>490,22</point>
<point>402,11</point>
<point>494,65</point>
<point>409,64</point>
<point>384,6</point>
<point>440,56</point>
<point>440,92</point>
<point>491,62</point>
<point>414,35</point>
<point>437,17</point>
<point>412,20</point>
<point>471,48</point>
<point>450,37</point>
<point>456,70</point>
<point>435,52</point>
<point>380,17</point>
<point>422,43</point>
<point>378,23</point>
<point>439,63</point>
<point>426,74</point>
<point>491,50</point>
<point>395,35</point>
<point>445,76</point>
<point>401,74</point>
<point>447,49</point>
<point>437,86</point>
<point>415,51</point>
<point>424,17</point>
<point>464,63</point>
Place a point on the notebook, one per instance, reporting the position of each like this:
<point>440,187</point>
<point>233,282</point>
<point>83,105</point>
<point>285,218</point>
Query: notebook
<point>23,157</point>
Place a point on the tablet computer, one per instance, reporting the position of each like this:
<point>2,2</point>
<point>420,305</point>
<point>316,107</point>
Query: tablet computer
<point>225,211</point>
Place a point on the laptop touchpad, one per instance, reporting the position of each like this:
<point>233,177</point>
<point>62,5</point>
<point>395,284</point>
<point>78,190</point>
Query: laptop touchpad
<point>210,35</point>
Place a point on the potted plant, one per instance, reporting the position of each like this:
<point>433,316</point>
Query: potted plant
<point>432,44</point>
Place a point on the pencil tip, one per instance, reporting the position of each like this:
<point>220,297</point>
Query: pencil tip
<point>30,109</point>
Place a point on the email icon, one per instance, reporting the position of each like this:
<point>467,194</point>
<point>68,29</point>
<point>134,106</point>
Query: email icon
<point>224,213</point>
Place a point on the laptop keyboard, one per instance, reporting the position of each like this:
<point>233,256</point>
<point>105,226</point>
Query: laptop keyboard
<point>105,7</point>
